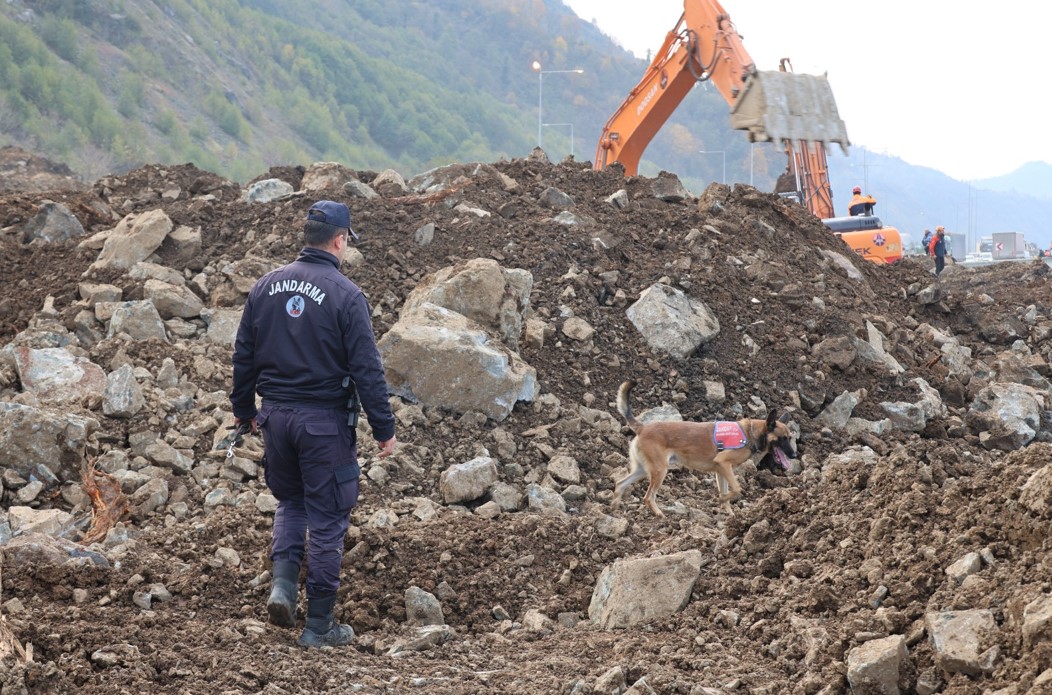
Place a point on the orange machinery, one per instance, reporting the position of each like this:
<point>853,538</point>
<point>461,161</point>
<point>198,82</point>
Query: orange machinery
<point>780,106</point>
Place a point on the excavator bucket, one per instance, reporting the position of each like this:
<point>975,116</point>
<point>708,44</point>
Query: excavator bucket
<point>776,106</point>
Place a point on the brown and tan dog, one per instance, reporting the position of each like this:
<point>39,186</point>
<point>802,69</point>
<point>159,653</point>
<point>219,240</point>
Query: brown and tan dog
<point>704,447</point>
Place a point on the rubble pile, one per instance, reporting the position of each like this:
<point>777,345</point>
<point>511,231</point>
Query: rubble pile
<point>907,550</point>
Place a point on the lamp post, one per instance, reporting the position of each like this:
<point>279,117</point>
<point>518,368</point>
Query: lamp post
<point>752,151</point>
<point>722,153</point>
<point>540,95</point>
<point>571,133</point>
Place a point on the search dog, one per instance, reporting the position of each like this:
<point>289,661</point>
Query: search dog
<point>703,447</point>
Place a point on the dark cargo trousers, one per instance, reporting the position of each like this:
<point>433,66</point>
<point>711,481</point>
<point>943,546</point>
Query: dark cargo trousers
<point>312,469</point>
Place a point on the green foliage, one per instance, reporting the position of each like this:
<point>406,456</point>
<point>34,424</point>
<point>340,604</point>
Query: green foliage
<point>145,61</point>
<point>166,122</point>
<point>132,94</point>
<point>373,84</point>
<point>199,130</point>
<point>104,127</point>
<point>61,36</point>
<point>226,114</point>
<point>314,123</point>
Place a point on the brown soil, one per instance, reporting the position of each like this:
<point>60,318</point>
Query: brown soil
<point>784,594</point>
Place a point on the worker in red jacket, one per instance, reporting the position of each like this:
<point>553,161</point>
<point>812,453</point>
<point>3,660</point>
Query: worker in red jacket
<point>939,250</point>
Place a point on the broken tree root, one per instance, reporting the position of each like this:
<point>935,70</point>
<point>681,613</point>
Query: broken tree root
<point>108,502</point>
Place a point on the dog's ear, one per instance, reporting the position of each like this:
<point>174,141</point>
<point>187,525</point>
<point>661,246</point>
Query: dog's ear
<point>784,418</point>
<point>772,420</point>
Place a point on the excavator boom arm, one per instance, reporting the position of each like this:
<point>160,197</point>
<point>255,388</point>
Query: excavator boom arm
<point>705,45</point>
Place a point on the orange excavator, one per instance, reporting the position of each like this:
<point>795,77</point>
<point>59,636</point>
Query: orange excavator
<point>771,106</point>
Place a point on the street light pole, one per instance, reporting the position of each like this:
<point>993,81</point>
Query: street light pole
<point>540,95</point>
<point>722,153</point>
<point>540,98</point>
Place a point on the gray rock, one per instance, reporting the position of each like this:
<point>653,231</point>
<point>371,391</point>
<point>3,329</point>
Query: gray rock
<point>633,591</point>
<point>422,608</point>
<point>267,191</point>
<point>54,375</point>
<point>440,358</point>
<point>123,395</point>
<point>139,319</point>
<point>545,501</point>
<point>877,666</point>
<point>672,322</point>
<point>133,240</point>
<point>464,482</point>
<point>53,223</point>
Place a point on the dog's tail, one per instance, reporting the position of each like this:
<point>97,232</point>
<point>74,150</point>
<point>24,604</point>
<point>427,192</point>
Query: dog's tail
<point>624,408</point>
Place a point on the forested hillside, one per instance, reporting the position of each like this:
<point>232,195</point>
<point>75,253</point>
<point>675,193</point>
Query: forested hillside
<point>237,86</point>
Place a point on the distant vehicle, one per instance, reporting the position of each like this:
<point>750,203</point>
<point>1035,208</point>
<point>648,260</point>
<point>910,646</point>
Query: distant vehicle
<point>1008,245</point>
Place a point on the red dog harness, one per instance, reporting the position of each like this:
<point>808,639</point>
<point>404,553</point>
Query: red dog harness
<point>728,435</point>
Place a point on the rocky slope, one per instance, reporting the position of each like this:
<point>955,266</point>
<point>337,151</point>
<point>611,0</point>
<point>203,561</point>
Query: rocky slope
<point>907,550</point>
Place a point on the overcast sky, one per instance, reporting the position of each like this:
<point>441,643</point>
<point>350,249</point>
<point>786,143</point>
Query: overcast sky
<point>937,83</point>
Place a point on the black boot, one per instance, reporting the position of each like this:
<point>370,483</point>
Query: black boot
<point>284,586</point>
<point>322,629</point>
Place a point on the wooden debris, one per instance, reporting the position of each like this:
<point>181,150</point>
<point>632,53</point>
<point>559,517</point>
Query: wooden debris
<point>9,644</point>
<point>427,198</point>
<point>108,501</point>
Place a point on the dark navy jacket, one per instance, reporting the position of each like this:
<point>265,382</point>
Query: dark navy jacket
<point>939,248</point>
<point>304,328</point>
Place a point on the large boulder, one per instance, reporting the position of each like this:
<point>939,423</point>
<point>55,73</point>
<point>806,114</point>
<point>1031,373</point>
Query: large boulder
<point>53,223</point>
<point>44,444</point>
<point>480,289</point>
<point>634,591</point>
<point>959,639</point>
<point>54,375</point>
<point>672,322</point>
<point>1006,416</point>
<point>327,177</point>
<point>441,358</point>
<point>134,239</point>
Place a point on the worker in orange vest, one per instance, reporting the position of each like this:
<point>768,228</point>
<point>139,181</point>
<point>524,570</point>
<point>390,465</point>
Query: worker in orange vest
<point>938,249</point>
<point>860,204</point>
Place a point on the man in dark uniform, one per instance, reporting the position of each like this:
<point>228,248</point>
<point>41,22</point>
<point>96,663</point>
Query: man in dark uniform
<point>306,345</point>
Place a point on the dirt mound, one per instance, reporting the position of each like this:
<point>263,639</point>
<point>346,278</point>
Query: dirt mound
<point>809,566</point>
<point>24,171</point>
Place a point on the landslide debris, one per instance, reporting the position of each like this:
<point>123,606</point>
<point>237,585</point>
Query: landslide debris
<point>862,541</point>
